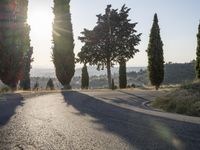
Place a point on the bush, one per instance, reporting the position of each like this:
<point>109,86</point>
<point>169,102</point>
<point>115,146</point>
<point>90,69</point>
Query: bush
<point>50,85</point>
<point>133,85</point>
<point>195,109</point>
<point>4,89</point>
<point>191,86</point>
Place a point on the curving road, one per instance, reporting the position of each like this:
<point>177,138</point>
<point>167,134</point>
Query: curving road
<point>93,120</point>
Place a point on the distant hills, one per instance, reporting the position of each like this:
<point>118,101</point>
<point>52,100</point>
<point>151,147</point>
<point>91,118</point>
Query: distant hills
<point>40,72</point>
<point>175,73</point>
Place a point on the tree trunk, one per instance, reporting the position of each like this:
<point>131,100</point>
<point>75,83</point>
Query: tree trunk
<point>109,74</point>
<point>67,87</point>
<point>13,87</point>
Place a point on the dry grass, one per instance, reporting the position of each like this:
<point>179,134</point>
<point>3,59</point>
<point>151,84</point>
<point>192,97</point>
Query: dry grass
<point>183,100</point>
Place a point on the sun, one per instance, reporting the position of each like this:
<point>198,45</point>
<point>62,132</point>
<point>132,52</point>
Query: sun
<point>40,21</point>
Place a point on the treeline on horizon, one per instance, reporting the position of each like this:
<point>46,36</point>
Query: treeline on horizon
<point>175,74</point>
<point>112,40</point>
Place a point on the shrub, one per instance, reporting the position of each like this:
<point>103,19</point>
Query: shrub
<point>4,89</point>
<point>50,85</point>
<point>185,100</point>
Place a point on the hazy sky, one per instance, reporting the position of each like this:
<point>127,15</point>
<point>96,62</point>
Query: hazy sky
<point>178,20</point>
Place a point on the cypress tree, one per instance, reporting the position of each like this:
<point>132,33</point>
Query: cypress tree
<point>85,78</point>
<point>198,55</point>
<point>155,55</point>
<point>25,39</point>
<point>50,84</point>
<point>10,44</point>
<point>122,74</point>
<point>63,43</point>
<point>25,81</point>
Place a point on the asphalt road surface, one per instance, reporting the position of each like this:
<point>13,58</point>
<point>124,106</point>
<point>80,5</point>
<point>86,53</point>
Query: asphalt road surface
<point>94,120</point>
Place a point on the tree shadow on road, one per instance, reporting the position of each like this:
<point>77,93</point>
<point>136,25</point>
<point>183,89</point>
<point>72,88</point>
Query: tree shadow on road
<point>139,130</point>
<point>8,105</point>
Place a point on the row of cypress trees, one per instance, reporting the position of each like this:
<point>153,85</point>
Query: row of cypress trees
<point>155,60</point>
<point>63,55</point>
<point>16,53</point>
<point>15,50</point>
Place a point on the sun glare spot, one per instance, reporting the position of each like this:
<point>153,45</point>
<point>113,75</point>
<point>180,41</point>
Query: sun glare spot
<point>40,21</point>
<point>40,18</point>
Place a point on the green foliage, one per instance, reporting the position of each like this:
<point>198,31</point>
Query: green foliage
<point>85,78</point>
<point>14,41</point>
<point>155,55</point>
<point>25,81</point>
<point>198,54</point>
<point>122,75</point>
<point>191,86</point>
<point>63,55</point>
<point>4,89</point>
<point>50,85</point>
<point>112,39</point>
<point>25,40</point>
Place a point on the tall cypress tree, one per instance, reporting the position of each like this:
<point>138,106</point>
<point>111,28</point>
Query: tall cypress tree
<point>25,81</point>
<point>155,55</point>
<point>25,39</point>
<point>63,55</point>
<point>122,74</point>
<point>198,54</point>
<point>85,78</point>
<point>10,44</point>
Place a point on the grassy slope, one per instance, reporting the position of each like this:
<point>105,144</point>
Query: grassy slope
<point>183,100</point>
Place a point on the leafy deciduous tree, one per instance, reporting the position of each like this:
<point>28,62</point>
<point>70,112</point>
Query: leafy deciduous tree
<point>111,40</point>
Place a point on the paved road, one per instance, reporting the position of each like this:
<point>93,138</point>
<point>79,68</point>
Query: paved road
<point>90,120</point>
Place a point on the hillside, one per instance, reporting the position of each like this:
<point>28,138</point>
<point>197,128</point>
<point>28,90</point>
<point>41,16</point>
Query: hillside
<point>175,73</point>
<point>40,72</point>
